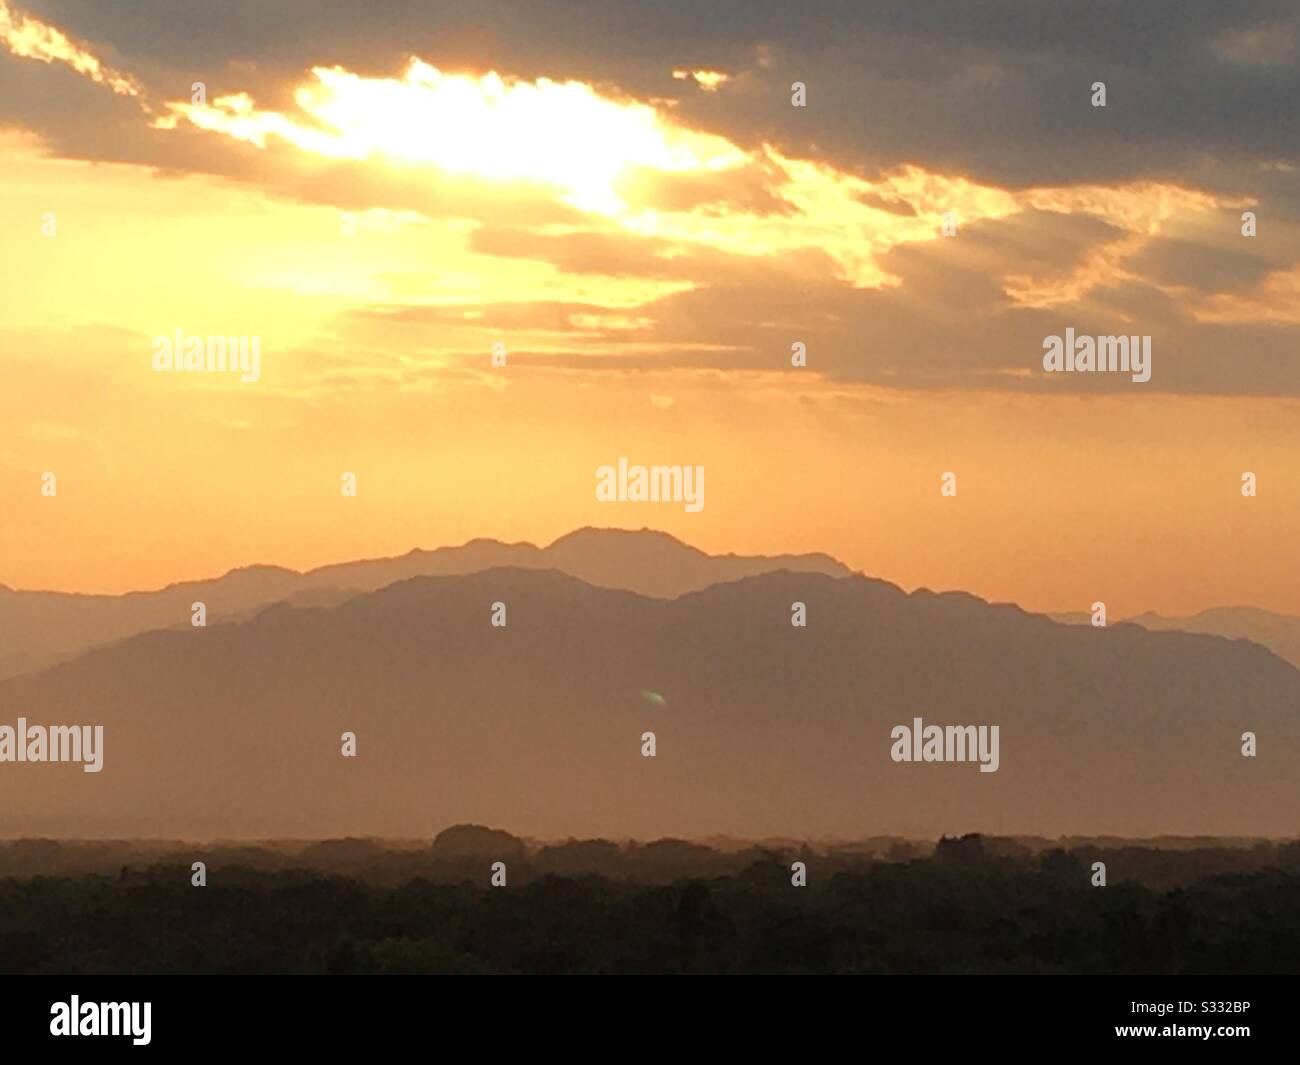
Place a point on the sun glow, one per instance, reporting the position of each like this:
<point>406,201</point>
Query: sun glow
<point>561,134</point>
<point>630,164</point>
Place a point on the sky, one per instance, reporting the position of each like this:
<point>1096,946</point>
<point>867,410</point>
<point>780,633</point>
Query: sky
<point>629,204</point>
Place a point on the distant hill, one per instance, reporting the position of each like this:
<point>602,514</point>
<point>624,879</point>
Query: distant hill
<point>763,728</point>
<point>1280,633</point>
<point>38,629</point>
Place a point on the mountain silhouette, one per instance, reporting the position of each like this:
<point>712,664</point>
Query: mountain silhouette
<point>40,628</point>
<point>762,728</point>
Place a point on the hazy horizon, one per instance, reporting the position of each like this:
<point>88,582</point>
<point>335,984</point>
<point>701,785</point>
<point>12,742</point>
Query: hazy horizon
<point>220,571</point>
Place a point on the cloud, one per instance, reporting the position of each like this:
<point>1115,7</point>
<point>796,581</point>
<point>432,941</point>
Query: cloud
<point>1275,300</point>
<point>707,80</point>
<point>29,38</point>
<point>998,91</point>
<point>658,214</point>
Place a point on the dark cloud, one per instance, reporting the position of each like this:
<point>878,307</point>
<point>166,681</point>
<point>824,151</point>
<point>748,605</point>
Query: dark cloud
<point>1231,264</point>
<point>949,324</point>
<point>998,89</point>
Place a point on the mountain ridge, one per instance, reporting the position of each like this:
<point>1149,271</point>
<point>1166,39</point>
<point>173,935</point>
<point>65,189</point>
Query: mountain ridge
<point>763,728</point>
<point>40,628</point>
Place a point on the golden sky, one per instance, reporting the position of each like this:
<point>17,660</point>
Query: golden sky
<point>647,259</point>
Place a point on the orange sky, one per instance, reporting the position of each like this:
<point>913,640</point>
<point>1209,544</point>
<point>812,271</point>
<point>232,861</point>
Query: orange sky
<point>647,280</point>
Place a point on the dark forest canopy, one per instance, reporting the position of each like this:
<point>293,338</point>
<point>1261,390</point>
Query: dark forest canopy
<point>591,906</point>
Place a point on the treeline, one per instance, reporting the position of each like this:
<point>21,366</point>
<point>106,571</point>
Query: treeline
<point>465,852</point>
<point>971,905</point>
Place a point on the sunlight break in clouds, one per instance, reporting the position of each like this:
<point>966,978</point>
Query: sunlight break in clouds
<point>30,38</point>
<point>618,159</point>
<point>602,156</point>
<point>561,134</point>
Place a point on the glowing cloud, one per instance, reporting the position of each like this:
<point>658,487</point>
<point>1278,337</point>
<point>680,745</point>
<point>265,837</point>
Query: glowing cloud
<point>708,80</point>
<point>29,38</point>
<point>632,165</point>
<point>1276,299</point>
<point>1141,211</point>
<point>603,156</point>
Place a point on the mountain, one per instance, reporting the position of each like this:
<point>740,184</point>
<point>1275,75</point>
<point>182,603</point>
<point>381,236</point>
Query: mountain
<point>40,628</point>
<point>656,564</point>
<point>1280,633</point>
<point>762,728</point>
